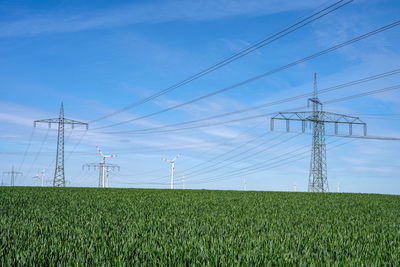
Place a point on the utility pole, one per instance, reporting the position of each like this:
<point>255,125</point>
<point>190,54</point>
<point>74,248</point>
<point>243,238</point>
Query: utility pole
<point>59,175</point>
<point>13,174</point>
<point>104,170</point>
<point>318,178</point>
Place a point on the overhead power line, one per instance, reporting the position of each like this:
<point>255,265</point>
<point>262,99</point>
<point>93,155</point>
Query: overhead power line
<point>227,152</point>
<point>38,153</point>
<point>381,138</point>
<point>281,101</point>
<point>292,64</point>
<point>282,157</point>
<point>276,36</point>
<point>213,147</point>
<point>242,156</point>
<point>265,167</point>
<point>26,150</point>
<point>382,90</point>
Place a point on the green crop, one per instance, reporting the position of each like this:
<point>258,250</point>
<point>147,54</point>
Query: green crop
<point>81,226</point>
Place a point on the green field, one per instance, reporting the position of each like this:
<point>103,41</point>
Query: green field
<point>47,226</point>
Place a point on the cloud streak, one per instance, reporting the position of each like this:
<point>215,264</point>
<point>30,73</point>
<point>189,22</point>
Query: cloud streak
<point>68,21</point>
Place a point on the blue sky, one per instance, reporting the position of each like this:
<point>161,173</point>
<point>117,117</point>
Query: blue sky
<point>100,56</point>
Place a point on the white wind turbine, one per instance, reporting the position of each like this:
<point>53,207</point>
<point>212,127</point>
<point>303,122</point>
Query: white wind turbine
<point>172,162</point>
<point>44,175</point>
<point>102,165</point>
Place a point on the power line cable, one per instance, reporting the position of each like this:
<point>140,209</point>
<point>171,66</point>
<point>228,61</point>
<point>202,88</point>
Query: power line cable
<point>282,163</point>
<point>76,145</point>
<point>329,89</point>
<point>26,150</point>
<point>278,164</point>
<point>333,48</point>
<point>196,173</point>
<point>252,156</point>
<point>224,143</point>
<point>260,167</point>
<point>382,90</point>
<point>226,152</point>
<point>227,160</point>
<point>38,153</point>
<point>236,56</point>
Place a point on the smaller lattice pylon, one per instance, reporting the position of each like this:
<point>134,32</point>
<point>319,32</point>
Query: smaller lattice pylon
<point>103,169</point>
<point>13,174</point>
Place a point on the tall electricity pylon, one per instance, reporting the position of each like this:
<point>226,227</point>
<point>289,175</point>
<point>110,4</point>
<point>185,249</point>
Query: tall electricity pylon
<point>172,162</point>
<point>13,174</point>
<point>59,175</point>
<point>318,178</point>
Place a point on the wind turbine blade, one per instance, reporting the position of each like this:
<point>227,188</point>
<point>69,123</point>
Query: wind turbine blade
<point>99,151</point>
<point>166,160</point>
<point>177,156</point>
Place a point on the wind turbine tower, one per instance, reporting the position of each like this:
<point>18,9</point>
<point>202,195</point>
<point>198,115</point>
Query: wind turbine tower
<point>103,166</point>
<point>43,176</point>
<point>172,162</point>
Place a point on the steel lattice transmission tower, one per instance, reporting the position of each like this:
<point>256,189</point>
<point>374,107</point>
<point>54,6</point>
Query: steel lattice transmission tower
<point>318,178</point>
<point>13,174</point>
<point>59,175</point>
<point>104,171</point>
<point>104,168</point>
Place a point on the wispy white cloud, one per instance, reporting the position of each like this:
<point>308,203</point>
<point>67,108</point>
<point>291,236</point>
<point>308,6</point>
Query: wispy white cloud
<point>70,21</point>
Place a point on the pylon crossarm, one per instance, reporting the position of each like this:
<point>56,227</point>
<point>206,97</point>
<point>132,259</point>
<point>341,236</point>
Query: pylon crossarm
<point>48,121</point>
<point>325,117</point>
<point>73,122</point>
<point>319,117</point>
<point>299,116</point>
<point>57,120</point>
<point>330,117</point>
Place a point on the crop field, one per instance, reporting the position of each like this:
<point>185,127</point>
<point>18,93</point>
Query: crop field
<point>48,226</point>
